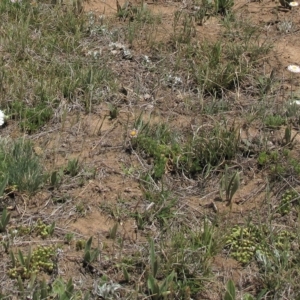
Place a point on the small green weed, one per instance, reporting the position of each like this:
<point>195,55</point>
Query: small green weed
<point>4,220</point>
<point>90,255</point>
<point>212,73</point>
<point>192,155</point>
<point>41,259</point>
<point>80,244</point>
<point>113,231</point>
<point>31,118</point>
<point>223,7</point>
<point>21,165</point>
<point>58,289</point>
<point>135,13</point>
<point>113,111</point>
<point>23,230</point>
<point>209,149</point>
<point>187,252</point>
<point>158,290</point>
<point>264,84</point>
<point>43,229</point>
<point>278,265</point>
<point>63,290</point>
<point>221,66</point>
<point>274,121</point>
<point>288,140</point>
<point>160,143</point>
<point>229,184</point>
<point>80,209</point>
<point>204,11</point>
<point>140,18</point>
<point>56,178</point>
<point>266,158</point>
<point>162,210</point>
<point>73,167</point>
<point>69,237</point>
<point>287,198</point>
<point>184,28</point>
<point>243,242</point>
<point>280,164</point>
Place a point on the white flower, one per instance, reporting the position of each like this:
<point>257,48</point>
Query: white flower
<point>293,4</point>
<point>297,102</point>
<point>96,54</point>
<point>294,68</point>
<point>133,133</point>
<point>147,59</point>
<point>2,118</point>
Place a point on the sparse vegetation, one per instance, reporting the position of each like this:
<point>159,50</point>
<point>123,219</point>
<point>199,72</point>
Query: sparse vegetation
<point>149,150</point>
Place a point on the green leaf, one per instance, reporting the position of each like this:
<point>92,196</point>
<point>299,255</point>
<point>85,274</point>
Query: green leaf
<point>87,257</point>
<point>44,289</point>
<point>21,258</point>
<point>13,258</point>
<point>54,178</point>
<point>113,231</point>
<point>70,288</point>
<point>88,244</point>
<point>153,260</point>
<point>32,281</point>
<point>21,286</point>
<point>36,295</point>
<point>125,274</point>
<point>153,286</point>
<point>248,297</point>
<point>3,184</point>
<point>58,288</point>
<point>51,228</point>
<point>164,288</point>
<point>4,220</point>
<point>233,185</point>
<point>28,259</point>
<point>230,292</point>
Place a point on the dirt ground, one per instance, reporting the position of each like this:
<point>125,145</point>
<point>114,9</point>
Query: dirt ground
<point>267,15</point>
<point>101,148</point>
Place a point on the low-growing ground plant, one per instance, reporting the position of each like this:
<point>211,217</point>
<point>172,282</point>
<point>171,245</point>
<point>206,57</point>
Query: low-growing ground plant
<point>223,7</point>
<point>73,167</point>
<point>190,155</point>
<point>274,121</point>
<point>288,198</point>
<point>69,237</point>
<point>158,290</point>
<point>243,242</point>
<point>90,255</point>
<point>40,259</point>
<point>229,185</point>
<point>21,165</point>
<point>5,216</point>
<point>43,229</point>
